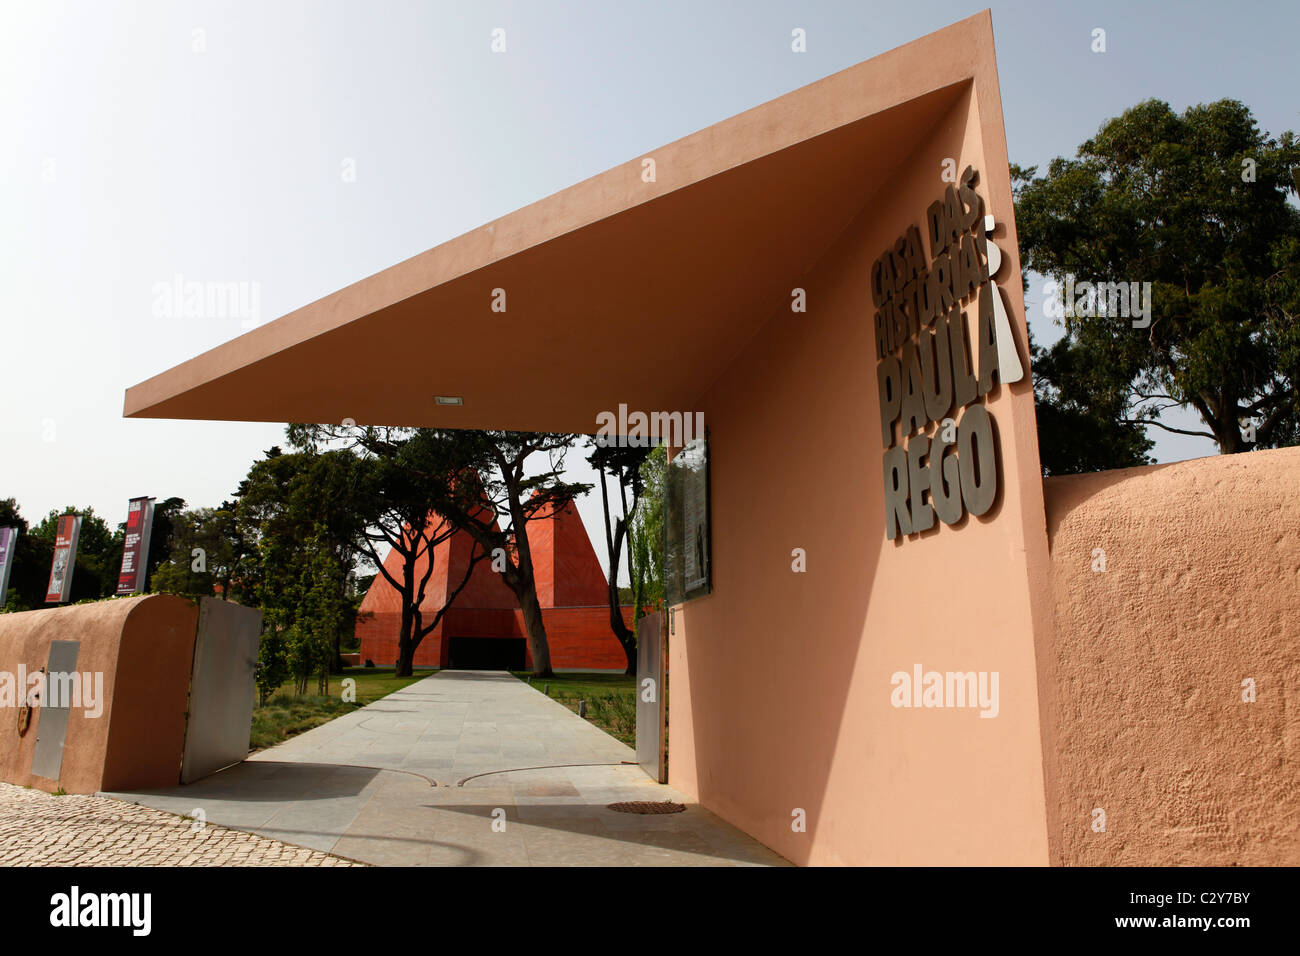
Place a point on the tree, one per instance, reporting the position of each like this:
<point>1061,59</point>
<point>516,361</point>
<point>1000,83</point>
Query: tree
<point>204,553</point>
<point>290,509</point>
<point>217,538</point>
<point>161,534</point>
<point>331,498</point>
<point>1196,205</point>
<point>178,578</point>
<point>268,528</point>
<point>1081,407</point>
<point>272,668</point>
<point>324,612</point>
<point>476,483</point>
<point>494,500</point>
<point>407,472</point>
<point>623,464</point>
<point>33,556</point>
<point>646,534</point>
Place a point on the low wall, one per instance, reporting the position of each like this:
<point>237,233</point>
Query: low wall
<point>1142,685</point>
<point>144,648</point>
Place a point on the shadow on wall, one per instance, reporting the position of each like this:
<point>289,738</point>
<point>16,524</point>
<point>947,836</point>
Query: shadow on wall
<point>1176,725</point>
<point>767,641</point>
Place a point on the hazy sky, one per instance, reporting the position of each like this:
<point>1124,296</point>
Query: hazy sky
<point>300,146</point>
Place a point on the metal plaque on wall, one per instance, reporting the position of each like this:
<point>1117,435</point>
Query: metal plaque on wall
<point>52,724</point>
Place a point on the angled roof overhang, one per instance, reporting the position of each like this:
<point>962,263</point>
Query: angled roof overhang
<point>617,290</point>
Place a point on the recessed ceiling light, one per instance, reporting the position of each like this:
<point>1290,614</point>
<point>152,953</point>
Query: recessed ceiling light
<point>449,400</point>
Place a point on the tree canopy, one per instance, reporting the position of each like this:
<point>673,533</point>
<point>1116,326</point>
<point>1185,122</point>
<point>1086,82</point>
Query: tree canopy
<point>1195,204</point>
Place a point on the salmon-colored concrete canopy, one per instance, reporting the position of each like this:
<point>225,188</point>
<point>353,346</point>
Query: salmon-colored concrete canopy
<point>694,261</point>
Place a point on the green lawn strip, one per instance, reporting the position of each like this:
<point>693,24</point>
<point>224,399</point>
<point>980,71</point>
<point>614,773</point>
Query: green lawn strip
<point>287,714</point>
<point>611,699</point>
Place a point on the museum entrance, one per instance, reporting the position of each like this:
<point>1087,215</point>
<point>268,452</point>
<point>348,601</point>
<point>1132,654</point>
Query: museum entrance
<point>486,654</point>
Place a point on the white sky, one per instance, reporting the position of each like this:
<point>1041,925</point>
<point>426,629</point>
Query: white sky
<point>127,158</point>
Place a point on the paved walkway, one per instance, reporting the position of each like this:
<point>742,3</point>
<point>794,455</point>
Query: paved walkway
<point>37,829</point>
<point>431,776</point>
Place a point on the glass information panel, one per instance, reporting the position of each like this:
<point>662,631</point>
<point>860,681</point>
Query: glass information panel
<point>688,566</point>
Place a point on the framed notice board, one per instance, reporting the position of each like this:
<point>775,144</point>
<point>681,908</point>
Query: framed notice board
<point>688,561</point>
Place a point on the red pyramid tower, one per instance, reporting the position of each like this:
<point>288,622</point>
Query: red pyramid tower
<point>484,628</point>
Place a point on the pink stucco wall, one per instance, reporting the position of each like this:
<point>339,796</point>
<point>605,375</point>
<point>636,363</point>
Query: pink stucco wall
<point>1146,718</point>
<point>780,693</point>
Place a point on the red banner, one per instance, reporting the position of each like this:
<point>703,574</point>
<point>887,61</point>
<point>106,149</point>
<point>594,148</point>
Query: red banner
<point>65,556</point>
<point>135,549</point>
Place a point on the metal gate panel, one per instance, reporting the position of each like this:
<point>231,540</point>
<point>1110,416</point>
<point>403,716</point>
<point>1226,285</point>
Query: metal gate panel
<point>222,688</point>
<point>52,722</point>
<point>650,696</point>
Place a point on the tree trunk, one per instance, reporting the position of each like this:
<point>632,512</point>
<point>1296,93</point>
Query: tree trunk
<point>1231,443</point>
<point>521,581</point>
<point>625,636</point>
<point>614,548</point>
<point>405,659</point>
<point>1229,437</point>
<point>1220,412</point>
<point>537,643</point>
<point>405,646</point>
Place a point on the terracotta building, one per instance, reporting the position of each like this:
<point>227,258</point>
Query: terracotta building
<point>484,628</point>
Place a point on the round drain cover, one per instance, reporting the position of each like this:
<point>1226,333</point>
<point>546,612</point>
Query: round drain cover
<point>646,806</point>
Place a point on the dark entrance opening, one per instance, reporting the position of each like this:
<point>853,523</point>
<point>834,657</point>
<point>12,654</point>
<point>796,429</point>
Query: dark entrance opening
<point>487,654</point>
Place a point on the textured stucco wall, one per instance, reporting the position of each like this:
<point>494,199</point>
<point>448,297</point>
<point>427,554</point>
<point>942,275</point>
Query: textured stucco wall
<point>1201,590</point>
<point>25,640</point>
<point>144,647</point>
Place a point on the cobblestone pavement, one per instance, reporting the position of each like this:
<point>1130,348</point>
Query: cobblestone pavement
<point>37,829</point>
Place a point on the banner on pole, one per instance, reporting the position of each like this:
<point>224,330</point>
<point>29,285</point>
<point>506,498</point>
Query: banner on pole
<point>8,545</point>
<point>65,556</point>
<point>135,549</point>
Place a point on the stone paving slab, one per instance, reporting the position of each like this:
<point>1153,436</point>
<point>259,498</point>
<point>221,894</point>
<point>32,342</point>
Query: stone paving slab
<point>462,768</point>
<point>37,829</point>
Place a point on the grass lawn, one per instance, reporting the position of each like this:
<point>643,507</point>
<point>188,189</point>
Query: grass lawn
<point>287,714</point>
<point>611,699</point>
